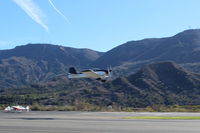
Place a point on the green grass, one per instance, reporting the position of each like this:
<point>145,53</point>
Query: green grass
<point>165,117</point>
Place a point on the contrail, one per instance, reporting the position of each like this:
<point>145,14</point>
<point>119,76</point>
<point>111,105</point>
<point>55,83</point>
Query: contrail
<point>58,11</point>
<point>32,10</point>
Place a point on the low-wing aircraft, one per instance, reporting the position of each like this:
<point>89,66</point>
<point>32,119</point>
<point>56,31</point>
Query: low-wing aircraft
<point>98,74</point>
<point>17,109</point>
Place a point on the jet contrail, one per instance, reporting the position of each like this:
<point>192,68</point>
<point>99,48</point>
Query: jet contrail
<point>58,11</point>
<point>32,10</point>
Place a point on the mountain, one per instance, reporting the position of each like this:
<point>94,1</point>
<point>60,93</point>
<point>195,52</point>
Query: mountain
<point>38,62</point>
<point>182,48</point>
<point>33,63</point>
<point>164,83</point>
<point>159,83</point>
<point>53,53</point>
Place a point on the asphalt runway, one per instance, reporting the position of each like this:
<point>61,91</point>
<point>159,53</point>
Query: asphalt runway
<point>94,122</point>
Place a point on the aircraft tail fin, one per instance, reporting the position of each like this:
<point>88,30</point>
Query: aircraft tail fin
<point>72,70</point>
<point>27,108</point>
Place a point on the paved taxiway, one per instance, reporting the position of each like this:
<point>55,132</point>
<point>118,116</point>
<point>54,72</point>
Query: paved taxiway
<point>94,122</point>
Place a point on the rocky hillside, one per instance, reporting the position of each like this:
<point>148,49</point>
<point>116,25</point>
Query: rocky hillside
<point>39,62</point>
<point>182,48</point>
<point>163,83</point>
<point>53,53</point>
<point>33,63</point>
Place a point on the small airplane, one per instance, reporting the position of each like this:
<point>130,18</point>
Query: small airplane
<point>98,74</point>
<point>17,109</point>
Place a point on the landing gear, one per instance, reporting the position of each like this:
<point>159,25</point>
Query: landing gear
<point>98,79</point>
<point>103,80</point>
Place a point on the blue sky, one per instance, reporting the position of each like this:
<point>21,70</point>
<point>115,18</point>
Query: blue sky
<point>96,24</point>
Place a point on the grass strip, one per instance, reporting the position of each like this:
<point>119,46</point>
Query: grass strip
<point>164,117</point>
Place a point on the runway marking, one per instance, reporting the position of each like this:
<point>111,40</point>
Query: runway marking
<point>165,117</point>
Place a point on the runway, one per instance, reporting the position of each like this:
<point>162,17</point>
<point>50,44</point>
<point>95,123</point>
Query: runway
<point>94,122</point>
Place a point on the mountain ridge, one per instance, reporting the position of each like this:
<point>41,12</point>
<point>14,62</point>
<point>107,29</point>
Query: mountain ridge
<point>38,62</point>
<point>182,48</point>
<point>147,72</point>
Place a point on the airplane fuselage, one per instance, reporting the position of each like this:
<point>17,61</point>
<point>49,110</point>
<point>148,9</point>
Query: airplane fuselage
<point>16,109</point>
<point>101,74</point>
<point>98,74</point>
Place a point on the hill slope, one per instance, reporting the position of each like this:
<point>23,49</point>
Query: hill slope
<point>181,48</point>
<point>38,62</point>
<point>163,83</point>
<point>51,53</point>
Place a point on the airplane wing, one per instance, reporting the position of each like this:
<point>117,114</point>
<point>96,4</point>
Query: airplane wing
<point>91,73</point>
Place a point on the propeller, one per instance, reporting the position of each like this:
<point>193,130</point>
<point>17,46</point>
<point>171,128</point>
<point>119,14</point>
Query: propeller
<point>109,72</point>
